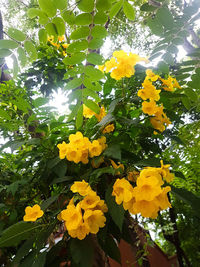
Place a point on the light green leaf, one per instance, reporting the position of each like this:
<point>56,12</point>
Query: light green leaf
<point>51,29</point>
<point>83,19</point>
<point>76,82</point>
<point>60,4</point>
<point>86,5</point>
<point>40,101</point>
<point>163,67</point>
<point>48,7</point>
<point>79,117</point>
<point>16,34</point>
<point>103,4</point>
<point>74,59</point>
<point>80,33</point>
<point>5,53</point>
<point>99,32</point>
<point>15,66</point>
<point>18,232</point>
<point>94,74</point>
<point>60,25</point>
<point>42,36</point>
<point>115,9</point>
<point>69,17</point>
<point>129,11</point>
<point>8,44</point>
<point>95,43</point>
<point>155,26</point>
<point>77,46</point>
<point>34,12</point>
<point>148,8</point>
<point>92,105</point>
<point>90,92</point>
<point>165,17</point>
<point>100,18</point>
<point>4,114</point>
<point>31,50</point>
<point>21,56</point>
<point>95,58</point>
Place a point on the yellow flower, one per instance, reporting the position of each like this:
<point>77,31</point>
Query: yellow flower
<point>50,38</point>
<point>122,190</point>
<point>101,67</point>
<point>152,76</point>
<point>72,217</point>
<point>149,91</point>
<point>101,114</point>
<point>76,139</point>
<point>80,232</point>
<point>65,45</point>
<point>64,53</point>
<point>146,192</point>
<point>119,168</point>
<point>90,201</point>
<point>151,176</point>
<point>147,209</point>
<point>157,124</point>
<point>129,205</point>
<point>162,199</point>
<point>102,142</point>
<point>101,205</point>
<point>73,154</point>
<point>170,83</point>
<point>110,64</point>
<point>87,112</point>
<point>83,188</point>
<point>63,148</point>
<point>94,219</point>
<point>95,149</point>
<point>109,128</point>
<point>132,176</point>
<point>166,172</point>
<point>84,156</point>
<point>59,217</point>
<point>32,213</point>
<point>149,108</point>
<point>61,38</point>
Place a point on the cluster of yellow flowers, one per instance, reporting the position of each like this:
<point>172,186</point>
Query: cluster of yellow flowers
<point>149,91</point>
<point>88,113</point>
<point>85,217</point>
<point>121,64</point>
<point>59,44</point>
<point>80,148</point>
<point>148,197</point>
<point>32,213</point>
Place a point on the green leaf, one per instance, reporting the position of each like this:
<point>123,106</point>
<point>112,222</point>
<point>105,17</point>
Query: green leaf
<point>99,32</point>
<point>42,36</point>
<point>5,53</point>
<point>4,114</point>
<point>168,58</point>
<point>45,204</point>
<point>86,5</point>
<point>51,29</point>
<point>89,84</point>
<point>48,7</point>
<point>114,152</point>
<point>95,43</point>
<point>116,211</point>
<point>90,92</point>
<point>73,113</point>
<point>163,67</point>
<point>23,250</point>
<point>129,11</point>
<point>15,66</point>
<point>148,8</point>
<point>34,12</point>
<point>60,4</point>
<point>115,9</point>
<point>16,34</point>
<point>79,117</point>
<point>40,101</point>
<point>69,17</point>
<point>61,180</point>
<point>21,56</point>
<point>14,234</point>
<point>80,33</point>
<point>94,74</point>
<point>188,197</point>
<point>165,17</point>
<point>95,58</point>
<point>77,46</point>
<point>83,19</point>
<point>60,25</point>
<point>8,44</point>
<point>40,260</point>
<point>31,50</point>
<point>155,26</point>
<point>82,252</point>
<point>98,172</point>
<point>191,94</point>
<point>92,105</point>
<point>111,249</point>
<point>186,102</point>
<point>74,59</point>
<point>100,18</point>
<point>103,4</point>
<point>76,82</point>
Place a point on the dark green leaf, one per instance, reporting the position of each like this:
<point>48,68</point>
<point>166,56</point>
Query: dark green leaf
<point>111,248</point>
<point>114,152</point>
<point>165,17</point>
<point>147,7</point>
<point>79,117</point>
<point>48,202</point>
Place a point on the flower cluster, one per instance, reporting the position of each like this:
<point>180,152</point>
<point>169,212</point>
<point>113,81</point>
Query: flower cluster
<point>32,213</point>
<point>149,92</point>
<point>79,149</point>
<point>148,197</point>
<point>59,44</point>
<point>121,64</point>
<point>87,216</point>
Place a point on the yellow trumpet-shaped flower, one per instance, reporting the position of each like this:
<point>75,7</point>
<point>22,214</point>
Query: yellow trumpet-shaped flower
<point>83,188</point>
<point>94,219</point>
<point>32,213</point>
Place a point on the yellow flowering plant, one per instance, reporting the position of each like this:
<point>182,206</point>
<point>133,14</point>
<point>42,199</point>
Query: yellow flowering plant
<point>104,163</point>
